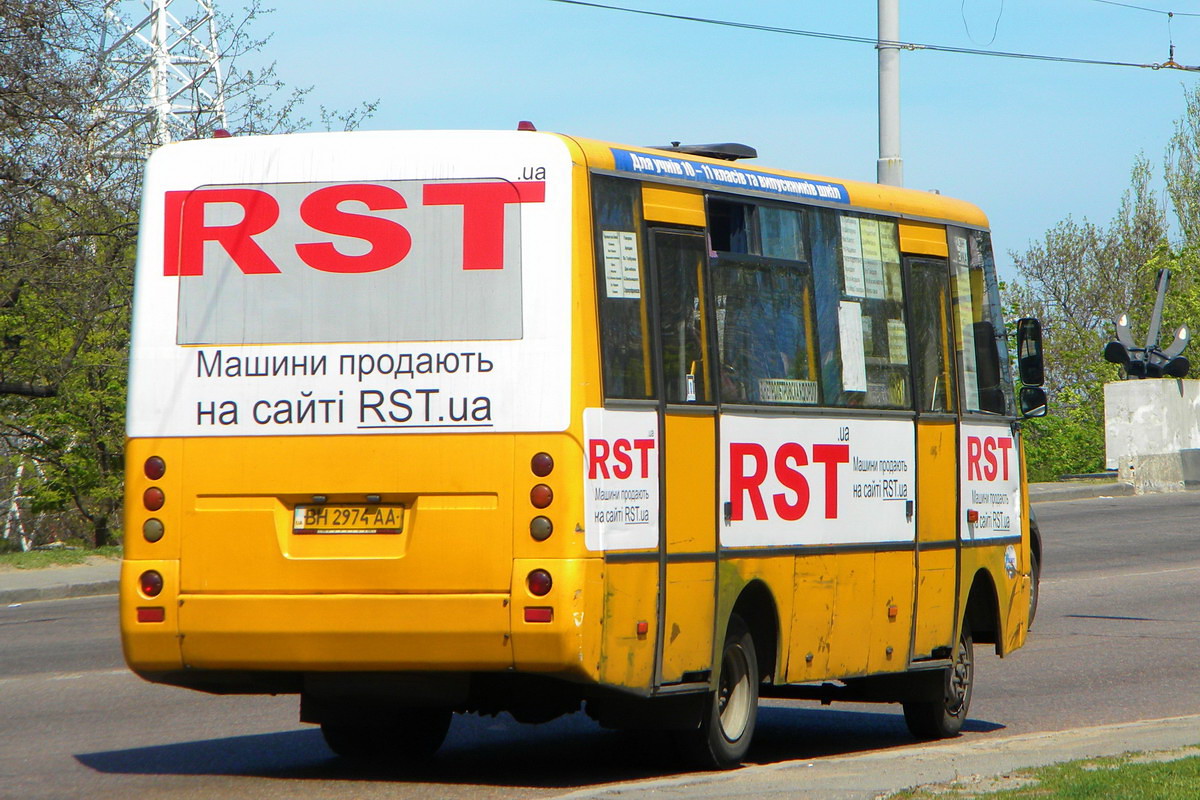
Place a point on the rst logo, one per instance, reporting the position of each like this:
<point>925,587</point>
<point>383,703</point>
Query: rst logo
<point>620,458</point>
<point>988,458</point>
<point>346,228</point>
<point>750,465</point>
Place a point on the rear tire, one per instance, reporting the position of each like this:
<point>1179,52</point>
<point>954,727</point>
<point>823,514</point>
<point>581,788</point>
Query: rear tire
<point>731,712</point>
<point>942,719</point>
<point>411,736</point>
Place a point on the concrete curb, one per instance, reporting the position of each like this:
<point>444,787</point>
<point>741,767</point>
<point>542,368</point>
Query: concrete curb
<point>1054,492</point>
<point>57,591</point>
<point>882,773</point>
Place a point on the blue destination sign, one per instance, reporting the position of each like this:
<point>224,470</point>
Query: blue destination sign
<point>730,177</point>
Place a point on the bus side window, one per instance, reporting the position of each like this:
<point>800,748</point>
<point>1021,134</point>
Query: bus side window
<point>622,294</point>
<point>860,309</point>
<point>981,340</point>
<point>929,330</point>
<point>762,284</point>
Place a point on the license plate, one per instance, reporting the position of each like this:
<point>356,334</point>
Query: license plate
<point>348,519</point>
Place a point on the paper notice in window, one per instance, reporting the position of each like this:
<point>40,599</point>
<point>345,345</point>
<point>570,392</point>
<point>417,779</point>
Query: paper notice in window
<point>872,259</point>
<point>891,260</point>
<point>622,272</point>
<point>897,341</point>
<point>854,362</point>
<point>852,263</point>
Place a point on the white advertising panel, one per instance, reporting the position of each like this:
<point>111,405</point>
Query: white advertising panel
<point>990,476</point>
<point>357,282</point>
<point>796,481</point>
<point>621,496</point>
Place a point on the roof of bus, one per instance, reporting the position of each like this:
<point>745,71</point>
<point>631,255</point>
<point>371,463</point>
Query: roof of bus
<point>888,199</point>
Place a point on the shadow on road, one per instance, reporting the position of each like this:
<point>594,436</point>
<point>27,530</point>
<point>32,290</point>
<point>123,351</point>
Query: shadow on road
<point>567,753</point>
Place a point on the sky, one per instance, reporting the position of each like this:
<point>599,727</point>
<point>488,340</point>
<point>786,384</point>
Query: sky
<point>1030,142</point>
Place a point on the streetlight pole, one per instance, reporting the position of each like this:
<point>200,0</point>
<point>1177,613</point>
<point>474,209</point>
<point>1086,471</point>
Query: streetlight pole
<point>889,168</point>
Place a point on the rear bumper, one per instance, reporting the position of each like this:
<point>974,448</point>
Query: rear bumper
<point>299,633</point>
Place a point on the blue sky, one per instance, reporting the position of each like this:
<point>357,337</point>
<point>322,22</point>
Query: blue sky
<point>1030,142</point>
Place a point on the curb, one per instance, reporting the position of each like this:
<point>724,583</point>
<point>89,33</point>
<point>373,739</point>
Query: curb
<point>1054,492</point>
<point>58,591</point>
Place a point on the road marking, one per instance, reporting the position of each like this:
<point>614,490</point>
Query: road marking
<point>65,676</point>
<point>1093,576</point>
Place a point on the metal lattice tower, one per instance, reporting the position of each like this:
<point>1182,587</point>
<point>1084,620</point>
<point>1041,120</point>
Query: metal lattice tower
<point>178,58</point>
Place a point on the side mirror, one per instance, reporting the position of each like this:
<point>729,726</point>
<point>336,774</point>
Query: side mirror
<point>1029,352</point>
<point>1033,401</point>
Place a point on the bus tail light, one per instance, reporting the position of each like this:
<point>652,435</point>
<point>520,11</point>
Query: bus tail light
<point>541,464</point>
<point>153,530</point>
<point>153,498</point>
<point>154,468</point>
<point>540,528</point>
<point>151,614</point>
<point>151,583</point>
<point>539,583</point>
<point>541,496</point>
<point>539,614</point>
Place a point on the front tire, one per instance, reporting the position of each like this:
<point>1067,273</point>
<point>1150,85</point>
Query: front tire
<point>942,719</point>
<point>411,736</point>
<point>731,711</point>
<point>1035,579</point>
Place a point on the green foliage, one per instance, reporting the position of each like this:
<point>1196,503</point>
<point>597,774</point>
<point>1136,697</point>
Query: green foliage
<point>1081,276</point>
<point>1129,777</point>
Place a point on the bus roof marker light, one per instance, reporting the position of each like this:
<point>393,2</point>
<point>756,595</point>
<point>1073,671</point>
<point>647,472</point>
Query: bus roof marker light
<point>526,125</point>
<point>155,468</point>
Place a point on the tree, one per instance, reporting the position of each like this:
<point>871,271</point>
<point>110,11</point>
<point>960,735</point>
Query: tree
<point>70,175</point>
<point>1081,276</point>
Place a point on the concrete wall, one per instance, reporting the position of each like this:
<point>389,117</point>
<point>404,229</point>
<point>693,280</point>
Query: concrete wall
<point>1152,433</point>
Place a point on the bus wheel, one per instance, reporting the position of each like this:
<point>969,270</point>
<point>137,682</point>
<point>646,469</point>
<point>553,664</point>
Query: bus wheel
<point>413,735</point>
<point>727,725</point>
<point>941,720</point>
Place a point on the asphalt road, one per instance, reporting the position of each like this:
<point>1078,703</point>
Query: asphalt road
<point>1116,640</point>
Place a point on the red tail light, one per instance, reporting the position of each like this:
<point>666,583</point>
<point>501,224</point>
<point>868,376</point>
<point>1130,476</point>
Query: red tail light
<point>539,583</point>
<point>541,496</point>
<point>153,498</point>
<point>155,468</point>
<point>542,464</point>
<point>154,614</point>
<point>151,583</point>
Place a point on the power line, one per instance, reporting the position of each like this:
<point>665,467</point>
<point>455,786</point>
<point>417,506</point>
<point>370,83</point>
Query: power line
<point>839,37</point>
<point>1151,10</point>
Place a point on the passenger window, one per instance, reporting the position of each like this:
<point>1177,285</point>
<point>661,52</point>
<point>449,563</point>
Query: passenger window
<point>621,285</point>
<point>679,262</point>
<point>980,337</point>
<point>860,310</point>
<point>930,334</point>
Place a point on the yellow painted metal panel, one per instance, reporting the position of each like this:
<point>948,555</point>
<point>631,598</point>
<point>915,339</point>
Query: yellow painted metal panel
<point>150,646</point>
<point>346,632</point>
<point>775,573</point>
<point>937,520</point>
<point>812,619</point>
<point>570,643</point>
<point>239,493</point>
<point>892,611</point>
<point>923,238</point>
<point>674,204</point>
<point>689,501</point>
<point>854,633</point>
<point>630,599</point>
<point>688,630</point>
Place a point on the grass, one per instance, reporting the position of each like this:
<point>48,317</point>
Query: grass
<point>64,557</point>
<point>1174,775</point>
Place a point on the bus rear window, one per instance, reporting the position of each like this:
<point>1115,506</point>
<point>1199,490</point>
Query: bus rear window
<point>384,261</point>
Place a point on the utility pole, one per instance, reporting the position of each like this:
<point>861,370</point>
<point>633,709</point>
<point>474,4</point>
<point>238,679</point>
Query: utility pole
<point>889,168</point>
<point>178,59</point>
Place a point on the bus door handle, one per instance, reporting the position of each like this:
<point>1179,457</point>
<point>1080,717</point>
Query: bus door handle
<point>908,510</point>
